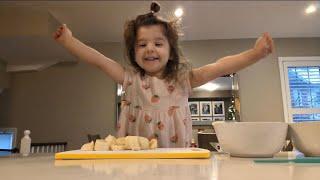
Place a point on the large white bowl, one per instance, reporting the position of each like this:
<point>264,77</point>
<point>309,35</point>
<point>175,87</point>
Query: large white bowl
<point>305,137</point>
<point>251,139</point>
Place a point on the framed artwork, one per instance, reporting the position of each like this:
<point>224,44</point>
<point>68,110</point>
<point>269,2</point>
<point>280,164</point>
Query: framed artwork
<point>219,118</point>
<point>195,119</point>
<point>205,108</point>
<point>194,108</point>
<point>218,108</point>
<point>206,118</point>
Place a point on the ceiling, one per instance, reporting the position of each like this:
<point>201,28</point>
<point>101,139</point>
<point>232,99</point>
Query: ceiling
<point>26,27</point>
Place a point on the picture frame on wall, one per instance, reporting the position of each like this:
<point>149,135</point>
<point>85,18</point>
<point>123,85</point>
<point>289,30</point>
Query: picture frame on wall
<point>205,108</point>
<point>218,108</point>
<point>195,119</point>
<point>194,108</point>
<point>206,119</point>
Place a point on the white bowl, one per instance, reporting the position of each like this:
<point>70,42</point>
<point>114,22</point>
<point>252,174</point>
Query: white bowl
<point>305,137</point>
<point>251,139</point>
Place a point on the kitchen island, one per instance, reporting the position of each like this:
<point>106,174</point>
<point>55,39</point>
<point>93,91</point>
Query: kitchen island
<point>218,167</point>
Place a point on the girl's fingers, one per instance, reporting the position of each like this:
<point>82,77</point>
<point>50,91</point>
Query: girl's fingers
<point>56,34</point>
<point>63,27</point>
<point>265,35</point>
<point>59,32</point>
<point>271,44</point>
<point>60,28</point>
<point>270,48</point>
<point>268,42</point>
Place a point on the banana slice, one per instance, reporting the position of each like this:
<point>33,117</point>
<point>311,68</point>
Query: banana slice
<point>153,144</point>
<point>144,143</point>
<point>88,146</point>
<point>101,145</point>
<point>111,140</point>
<point>121,141</point>
<point>135,143</point>
<point>115,147</point>
<point>132,142</point>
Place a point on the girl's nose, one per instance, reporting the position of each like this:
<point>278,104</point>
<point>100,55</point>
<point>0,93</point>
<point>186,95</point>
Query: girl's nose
<point>150,47</point>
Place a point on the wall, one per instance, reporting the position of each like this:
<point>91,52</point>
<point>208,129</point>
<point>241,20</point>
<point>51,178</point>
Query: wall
<point>4,85</point>
<point>64,102</point>
<point>4,76</point>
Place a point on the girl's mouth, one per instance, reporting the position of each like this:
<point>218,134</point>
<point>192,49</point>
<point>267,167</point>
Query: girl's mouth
<point>151,58</point>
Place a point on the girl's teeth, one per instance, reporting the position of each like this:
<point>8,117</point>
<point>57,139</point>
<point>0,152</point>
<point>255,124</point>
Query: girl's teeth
<point>150,59</point>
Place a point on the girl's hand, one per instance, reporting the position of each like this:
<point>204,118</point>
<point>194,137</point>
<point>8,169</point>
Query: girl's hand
<point>264,46</point>
<point>62,34</point>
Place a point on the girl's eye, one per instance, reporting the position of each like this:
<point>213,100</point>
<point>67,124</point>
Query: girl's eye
<point>141,45</point>
<point>158,44</point>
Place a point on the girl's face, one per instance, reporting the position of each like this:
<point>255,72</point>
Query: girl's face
<point>152,50</point>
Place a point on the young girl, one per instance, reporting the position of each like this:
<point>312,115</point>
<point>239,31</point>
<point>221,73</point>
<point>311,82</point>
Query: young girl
<point>157,86</point>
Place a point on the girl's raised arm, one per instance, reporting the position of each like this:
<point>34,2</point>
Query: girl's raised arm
<point>63,35</point>
<point>231,64</point>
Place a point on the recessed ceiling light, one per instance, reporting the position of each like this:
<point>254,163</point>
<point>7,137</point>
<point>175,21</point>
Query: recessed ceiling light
<point>178,12</point>
<point>311,9</point>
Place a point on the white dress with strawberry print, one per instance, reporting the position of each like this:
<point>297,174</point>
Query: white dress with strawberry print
<point>153,108</point>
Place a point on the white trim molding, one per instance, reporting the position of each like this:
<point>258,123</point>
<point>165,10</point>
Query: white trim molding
<point>284,62</point>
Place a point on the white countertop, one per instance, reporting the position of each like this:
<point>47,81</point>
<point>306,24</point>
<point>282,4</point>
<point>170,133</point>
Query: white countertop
<point>218,167</point>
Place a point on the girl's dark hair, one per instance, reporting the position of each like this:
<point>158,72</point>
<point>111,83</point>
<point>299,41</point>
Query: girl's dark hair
<point>176,63</point>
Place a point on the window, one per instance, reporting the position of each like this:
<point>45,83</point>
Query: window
<point>300,83</point>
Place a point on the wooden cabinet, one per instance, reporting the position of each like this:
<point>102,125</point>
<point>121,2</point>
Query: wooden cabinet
<point>204,140</point>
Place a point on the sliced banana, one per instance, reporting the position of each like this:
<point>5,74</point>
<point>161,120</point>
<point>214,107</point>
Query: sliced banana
<point>132,142</point>
<point>135,143</point>
<point>153,144</point>
<point>115,147</point>
<point>121,141</point>
<point>101,145</point>
<point>144,143</point>
<point>88,146</point>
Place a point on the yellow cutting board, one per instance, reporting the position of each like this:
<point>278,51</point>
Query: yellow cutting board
<point>159,153</point>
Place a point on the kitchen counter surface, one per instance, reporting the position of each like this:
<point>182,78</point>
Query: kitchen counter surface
<point>218,167</point>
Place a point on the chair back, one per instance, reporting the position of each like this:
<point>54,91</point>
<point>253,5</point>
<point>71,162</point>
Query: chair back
<point>50,147</point>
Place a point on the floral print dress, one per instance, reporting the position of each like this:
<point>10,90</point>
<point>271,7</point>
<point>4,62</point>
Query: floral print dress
<point>153,108</point>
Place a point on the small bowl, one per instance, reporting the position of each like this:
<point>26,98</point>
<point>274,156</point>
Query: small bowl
<point>305,137</point>
<point>251,139</point>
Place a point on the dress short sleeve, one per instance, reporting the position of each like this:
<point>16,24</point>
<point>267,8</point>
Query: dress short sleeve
<point>128,74</point>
